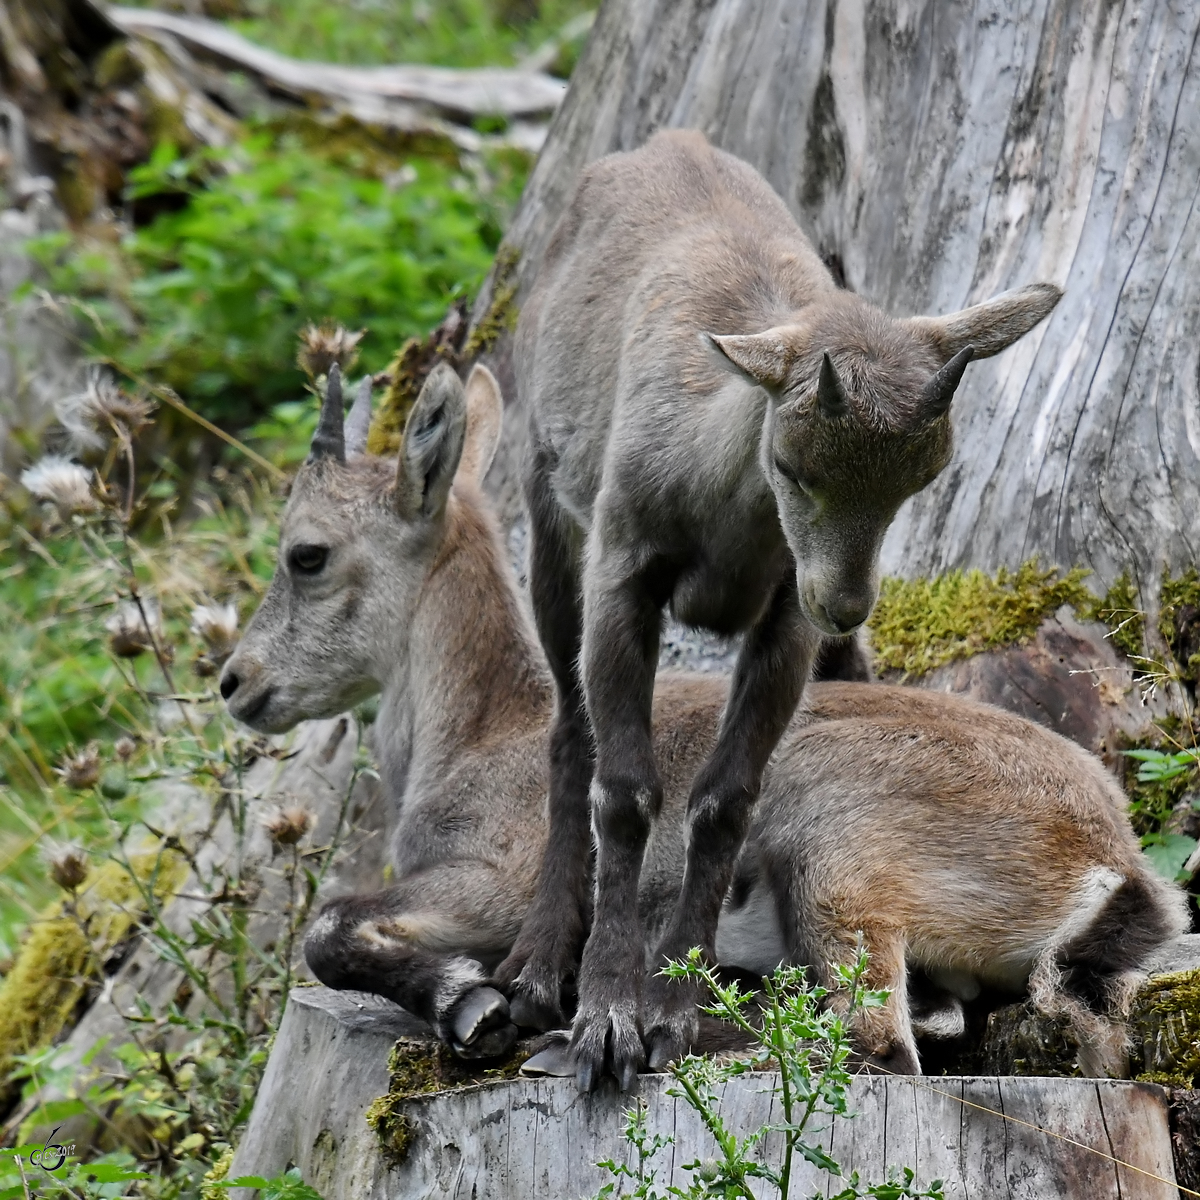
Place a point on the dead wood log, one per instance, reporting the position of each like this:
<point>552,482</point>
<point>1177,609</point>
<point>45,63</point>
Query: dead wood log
<point>456,94</point>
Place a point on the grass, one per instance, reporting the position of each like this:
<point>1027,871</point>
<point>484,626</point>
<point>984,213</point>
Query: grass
<point>60,686</point>
<point>450,33</point>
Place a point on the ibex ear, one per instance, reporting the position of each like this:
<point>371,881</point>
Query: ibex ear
<point>991,326</point>
<point>761,358</point>
<point>432,446</point>
<point>485,412</point>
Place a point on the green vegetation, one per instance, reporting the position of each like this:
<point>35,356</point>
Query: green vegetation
<point>276,234</point>
<point>808,1044</point>
<point>452,33</point>
<point>923,623</point>
<point>1166,1022</point>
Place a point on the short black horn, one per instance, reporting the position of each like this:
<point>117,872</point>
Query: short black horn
<point>939,391</point>
<point>329,441</point>
<point>831,396</point>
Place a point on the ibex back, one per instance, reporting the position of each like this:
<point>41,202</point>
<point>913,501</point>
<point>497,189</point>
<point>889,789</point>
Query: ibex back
<point>717,429</point>
<point>964,843</point>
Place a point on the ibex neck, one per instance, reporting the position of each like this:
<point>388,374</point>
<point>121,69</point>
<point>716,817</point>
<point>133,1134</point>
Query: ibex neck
<point>475,675</point>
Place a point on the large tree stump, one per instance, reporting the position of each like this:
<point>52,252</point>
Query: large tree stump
<point>939,151</point>
<point>540,1139</point>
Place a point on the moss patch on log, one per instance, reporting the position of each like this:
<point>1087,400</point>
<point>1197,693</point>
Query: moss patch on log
<point>502,313</point>
<point>1165,1024</point>
<point>1019,1040</point>
<point>66,948</point>
<point>1120,612</point>
<point>450,343</point>
<point>406,373</point>
<point>421,1067</point>
<point>1179,622</point>
<point>920,624</point>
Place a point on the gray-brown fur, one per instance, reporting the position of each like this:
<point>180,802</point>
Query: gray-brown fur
<point>956,837</point>
<point>716,428</point>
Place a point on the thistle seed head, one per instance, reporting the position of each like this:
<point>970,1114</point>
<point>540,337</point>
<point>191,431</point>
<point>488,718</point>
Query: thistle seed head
<point>61,482</point>
<point>323,345</point>
<point>286,826</point>
<point>68,864</point>
<point>81,769</point>
<point>125,748</point>
<point>128,633</point>
<point>100,410</point>
<point>217,626</point>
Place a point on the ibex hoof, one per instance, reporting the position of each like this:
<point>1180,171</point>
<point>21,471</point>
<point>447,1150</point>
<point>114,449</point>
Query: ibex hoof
<point>554,1059</point>
<point>530,1012</point>
<point>481,1026</point>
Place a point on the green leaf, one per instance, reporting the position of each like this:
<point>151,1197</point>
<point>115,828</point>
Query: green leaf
<point>1169,852</point>
<point>103,1172</point>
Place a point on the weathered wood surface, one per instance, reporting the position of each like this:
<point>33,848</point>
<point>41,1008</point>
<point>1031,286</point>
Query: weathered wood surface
<point>535,1139</point>
<point>939,151</point>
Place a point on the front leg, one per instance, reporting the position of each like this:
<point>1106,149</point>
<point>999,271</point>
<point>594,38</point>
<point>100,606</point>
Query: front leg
<point>619,656</point>
<point>546,952</point>
<point>768,681</point>
<point>394,943</point>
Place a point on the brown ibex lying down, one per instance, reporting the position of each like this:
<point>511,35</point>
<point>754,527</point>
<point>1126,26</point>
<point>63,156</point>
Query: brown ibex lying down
<point>959,839</point>
<point>715,428</point>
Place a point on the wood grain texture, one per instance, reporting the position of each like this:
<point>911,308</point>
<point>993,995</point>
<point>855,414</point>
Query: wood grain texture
<point>940,151</point>
<point>540,1140</point>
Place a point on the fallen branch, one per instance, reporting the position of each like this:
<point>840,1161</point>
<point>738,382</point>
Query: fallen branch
<point>460,95</point>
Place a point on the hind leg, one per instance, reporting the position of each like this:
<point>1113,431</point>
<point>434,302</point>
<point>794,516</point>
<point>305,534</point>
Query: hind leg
<point>882,1037</point>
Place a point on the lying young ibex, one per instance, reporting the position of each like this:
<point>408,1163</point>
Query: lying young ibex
<point>716,428</point>
<point>960,840</point>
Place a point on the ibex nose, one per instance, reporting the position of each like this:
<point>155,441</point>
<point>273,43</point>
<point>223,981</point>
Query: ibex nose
<point>846,613</point>
<point>229,684</point>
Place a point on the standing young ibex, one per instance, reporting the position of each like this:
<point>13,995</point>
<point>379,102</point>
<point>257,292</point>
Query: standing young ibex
<point>962,842</point>
<point>716,428</point>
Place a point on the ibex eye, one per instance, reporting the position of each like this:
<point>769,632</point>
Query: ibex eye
<point>306,559</point>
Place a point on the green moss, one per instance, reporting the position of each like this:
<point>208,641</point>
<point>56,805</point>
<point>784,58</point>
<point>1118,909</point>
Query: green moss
<point>1019,1040</point>
<point>66,948</point>
<point>502,313</point>
<point>920,624</point>
<point>218,1171</point>
<point>412,363</point>
<point>1178,619</point>
<point>407,372</point>
<point>1120,611</point>
<point>1165,1021</point>
<point>418,1067</point>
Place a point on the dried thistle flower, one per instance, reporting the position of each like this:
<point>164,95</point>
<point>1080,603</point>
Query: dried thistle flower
<point>68,864</point>
<point>101,409</point>
<point>81,769</point>
<point>323,345</point>
<point>125,748</point>
<point>286,826</point>
<point>128,633</point>
<point>217,626</point>
<point>61,482</point>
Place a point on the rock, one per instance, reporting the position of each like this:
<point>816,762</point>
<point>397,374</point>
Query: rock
<point>1069,678</point>
<point>539,1139</point>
